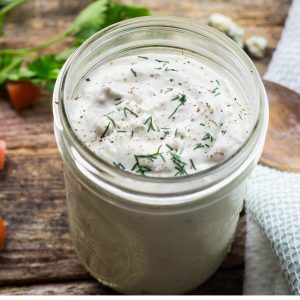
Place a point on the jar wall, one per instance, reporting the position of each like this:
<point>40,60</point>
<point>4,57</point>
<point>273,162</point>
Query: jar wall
<point>162,250</point>
<point>139,252</point>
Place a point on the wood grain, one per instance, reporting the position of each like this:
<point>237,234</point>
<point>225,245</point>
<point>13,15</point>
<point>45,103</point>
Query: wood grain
<point>38,246</point>
<point>38,257</point>
<point>282,147</point>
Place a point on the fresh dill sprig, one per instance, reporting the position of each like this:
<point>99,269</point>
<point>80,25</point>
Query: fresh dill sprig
<point>119,166</point>
<point>149,122</point>
<point>182,99</point>
<point>125,109</point>
<point>171,148</point>
<point>111,120</point>
<point>199,145</point>
<point>163,61</point>
<point>105,131</point>
<point>214,90</point>
<point>193,165</point>
<point>217,82</point>
<point>142,169</point>
<point>169,69</point>
<point>133,72</point>
<point>118,101</point>
<point>208,136</point>
<point>166,132</point>
<point>179,164</point>
<point>144,57</point>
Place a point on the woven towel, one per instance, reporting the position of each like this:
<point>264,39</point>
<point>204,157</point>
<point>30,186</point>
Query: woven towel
<point>273,196</point>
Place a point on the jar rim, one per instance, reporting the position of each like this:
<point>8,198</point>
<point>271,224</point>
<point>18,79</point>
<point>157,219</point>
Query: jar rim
<point>99,167</point>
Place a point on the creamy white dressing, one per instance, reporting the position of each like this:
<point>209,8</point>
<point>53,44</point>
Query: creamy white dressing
<point>159,114</point>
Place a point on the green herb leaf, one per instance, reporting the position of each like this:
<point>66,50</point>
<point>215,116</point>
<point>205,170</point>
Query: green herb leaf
<point>119,165</point>
<point>179,164</point>
<point>93,16</point>
<point>127,110</point>
<point>182,99</point>
<point>46,70</point>
<point>118,12</point>
<point>8,65</point>
<point>8,6</point>
<point>208,136</point>
<point>149,122</point>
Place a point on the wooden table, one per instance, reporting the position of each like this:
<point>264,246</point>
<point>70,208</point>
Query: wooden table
<point>38,257</point>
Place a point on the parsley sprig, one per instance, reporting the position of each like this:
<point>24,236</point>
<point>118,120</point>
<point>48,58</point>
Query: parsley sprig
<point>28,63</point>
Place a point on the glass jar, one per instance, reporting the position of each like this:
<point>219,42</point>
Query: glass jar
<point>145,235</point>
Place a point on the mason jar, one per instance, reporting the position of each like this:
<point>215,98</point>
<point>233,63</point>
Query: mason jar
<point>147,235</point>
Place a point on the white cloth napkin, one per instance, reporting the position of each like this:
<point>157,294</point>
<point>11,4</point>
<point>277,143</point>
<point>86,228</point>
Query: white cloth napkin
<point>273,197</point>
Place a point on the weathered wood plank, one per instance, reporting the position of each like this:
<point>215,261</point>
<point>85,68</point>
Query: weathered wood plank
<point>38,246</point>
<point>46,18</point>
<point>84,287</point>
<point>228,282</point>
<point>32,194</point>
<point>31,128</point>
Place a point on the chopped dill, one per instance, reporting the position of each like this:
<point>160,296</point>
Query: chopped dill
<point>171,148</point>
<point>168,90</point>
<point>199,145</point>
<point>133,72</point>
<point>144,57</point>
<point>165,134</point>
<point>119,165</point>
<point>149,122</point>
<point>126,110</point>
<point>193,165</point>
<point>105,131</point>
<point>111,120</point>
<point>208,136</point>
<point>162,61</point>
<point>169,69</point>
<point>214,90</point>
<point>142,169</point>
<point>179,164</point>
<point>182,99</point>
